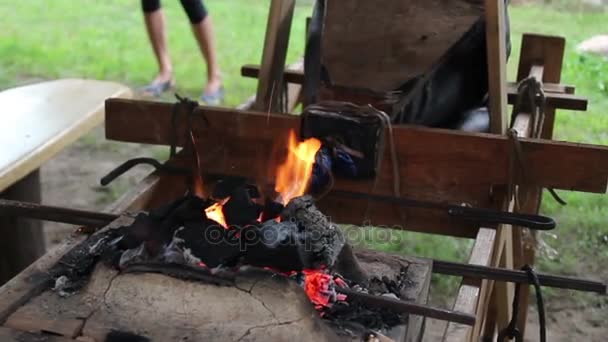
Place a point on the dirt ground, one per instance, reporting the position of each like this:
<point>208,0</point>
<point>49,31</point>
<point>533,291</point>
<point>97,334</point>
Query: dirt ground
<point>71,179</point>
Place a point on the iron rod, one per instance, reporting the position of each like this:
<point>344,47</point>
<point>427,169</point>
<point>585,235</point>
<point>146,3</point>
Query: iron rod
<point>407,307</point>
<point>96,219</point>
<point>516,276</point>
<point>55,214</point>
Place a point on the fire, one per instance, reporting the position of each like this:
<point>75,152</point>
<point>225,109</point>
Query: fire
<point>317,286</point>
<point>294,174</point>
<point>216,214</point>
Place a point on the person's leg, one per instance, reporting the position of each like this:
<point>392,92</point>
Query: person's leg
<point>155,25</point>
<point>202,28</point>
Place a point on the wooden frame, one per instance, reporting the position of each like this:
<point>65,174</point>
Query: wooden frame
<point>434,164</point>
<point>541,57</point>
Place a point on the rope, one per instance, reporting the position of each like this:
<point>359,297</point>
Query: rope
<point>394,160</point>
<point>531,98</point>
<point>511,331</point>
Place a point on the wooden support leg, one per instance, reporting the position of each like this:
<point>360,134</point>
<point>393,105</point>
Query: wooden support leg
<point>270,82</point>
<point>22,240</point>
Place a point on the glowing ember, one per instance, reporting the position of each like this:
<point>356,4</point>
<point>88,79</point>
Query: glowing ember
<point>294,174</point>
<point>317,286</point>
<point>216,214</point>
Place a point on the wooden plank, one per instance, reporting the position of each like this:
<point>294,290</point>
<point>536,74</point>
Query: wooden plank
<point>549,52</point>
<point>544,50</point>
<point>245,143</point>
<point>42,119</point>
<point>497,65</point>
<point>22,240</point>
<point>380,47</point>
<point>270,84</point>
<point>297,76</point>
<point>470,292</point>
<point>12,335</point>
<point>294,90</point>
<point>556,95</point>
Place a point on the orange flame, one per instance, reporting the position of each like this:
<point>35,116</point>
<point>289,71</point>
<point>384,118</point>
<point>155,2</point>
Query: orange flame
<point>216,214</point>
<point>294,174</point>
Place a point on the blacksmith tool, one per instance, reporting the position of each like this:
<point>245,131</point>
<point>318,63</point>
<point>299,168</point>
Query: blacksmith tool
<point>464,212</point>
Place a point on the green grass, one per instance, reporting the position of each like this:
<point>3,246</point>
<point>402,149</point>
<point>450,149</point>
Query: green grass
<point>106,40</point>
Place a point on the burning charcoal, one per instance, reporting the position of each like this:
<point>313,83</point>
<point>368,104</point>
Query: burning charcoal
<point>206,241</point>
<point>324,240</point>
<point>226,187</point>
<point>272,210</point>
<point>278,245</point>
<point>240,210</point>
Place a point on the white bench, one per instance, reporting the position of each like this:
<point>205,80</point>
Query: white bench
<point>37,122</point>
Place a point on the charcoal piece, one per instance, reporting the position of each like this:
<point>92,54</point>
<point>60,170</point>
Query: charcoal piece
<point>324,240</point>
<point>226,187</point>
<point>355,314</point>
<point>75,267</point>
<point>240,210</point>
<point>348,266</point>
<point>278,245</point>
<point>124,336</point>
<point>206,241</point>
<point>359,129</point>
<point>271,210</point>
<point>188,208</point>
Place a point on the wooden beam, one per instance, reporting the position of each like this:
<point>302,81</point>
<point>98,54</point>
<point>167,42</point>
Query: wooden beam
<point>20,247</point>
<point>249,143</point>
<point>497,64</point>
<point>297,76</point>
<point>547,51</point>
<point>557,95</point>
<point>471,291</point>
<point>290,76</point>
<point>276,42</point>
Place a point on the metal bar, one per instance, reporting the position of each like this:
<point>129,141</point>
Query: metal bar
<point>406,307</point>
<point>480,215</point>
<point>96,219</point>
<point>55,214</point>
<point>516,276</point>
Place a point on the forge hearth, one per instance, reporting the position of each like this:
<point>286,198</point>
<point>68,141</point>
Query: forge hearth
<point>261,306</point>
<point>232,278</point>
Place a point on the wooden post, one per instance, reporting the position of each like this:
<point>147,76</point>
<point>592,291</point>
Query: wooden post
<point>270,84</point>
<point>547,51</point>
<point>497,64</point>
<point>22,240</point>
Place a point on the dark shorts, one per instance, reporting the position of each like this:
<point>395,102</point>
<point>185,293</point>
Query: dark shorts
<point>195,9</point>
